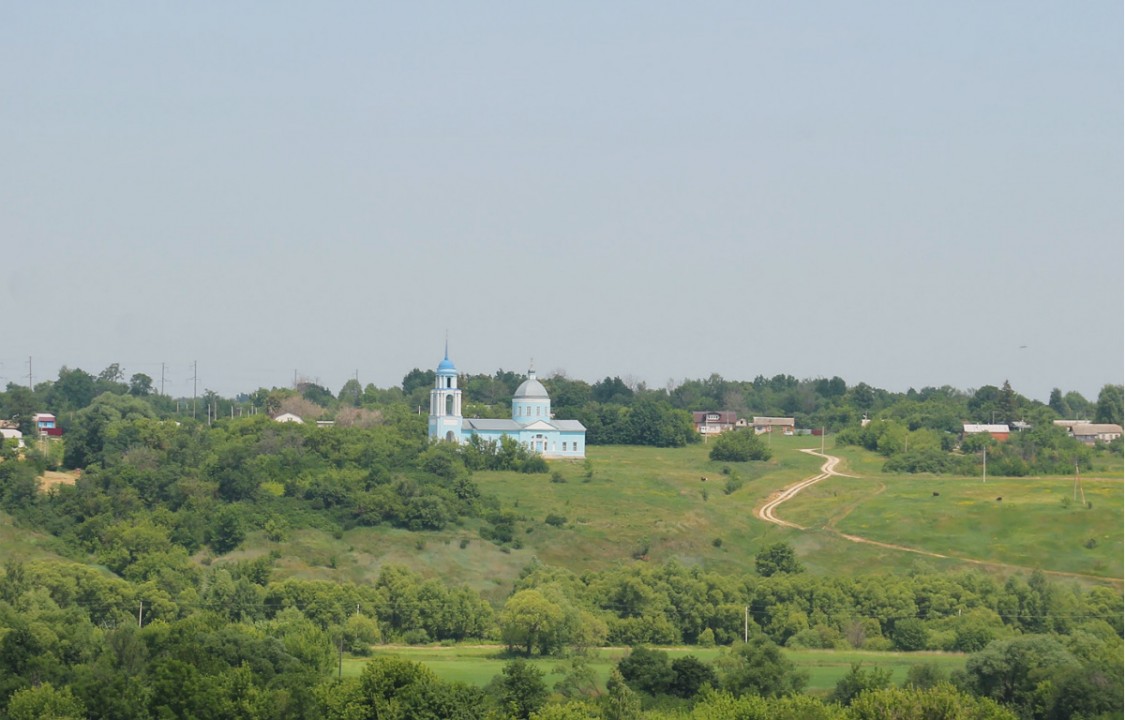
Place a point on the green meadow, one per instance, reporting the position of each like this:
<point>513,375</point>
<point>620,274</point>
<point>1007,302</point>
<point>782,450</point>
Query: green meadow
<point>477,665</point>
<point>656,505</point>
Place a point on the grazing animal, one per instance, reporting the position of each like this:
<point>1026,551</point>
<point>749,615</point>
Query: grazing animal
<point>702,479</point>
<point>999,499</point>
<point>936,493</point>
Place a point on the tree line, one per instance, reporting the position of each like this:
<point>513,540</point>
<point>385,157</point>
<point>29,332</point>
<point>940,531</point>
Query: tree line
<point>919,430</point>
<point>231,640</point>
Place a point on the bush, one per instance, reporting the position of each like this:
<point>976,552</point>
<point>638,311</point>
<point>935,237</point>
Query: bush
<point>909,634</point>
<point>555,520</point>
<point>777,558</point>
<point>739,446</point>
<point>418,636</point>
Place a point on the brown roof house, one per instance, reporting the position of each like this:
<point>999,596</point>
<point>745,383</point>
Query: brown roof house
<point>783,425</point>
<point>713,422</point>
<point>1090,433</point>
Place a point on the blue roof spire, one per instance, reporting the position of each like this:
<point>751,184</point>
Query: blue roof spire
<point>446,367</point>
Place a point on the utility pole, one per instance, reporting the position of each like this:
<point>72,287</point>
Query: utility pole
<point>194,385</point>
<point>746,624</point>
<point>1078,484</point>
<point>140,613</point>
<point>30,383</point>
<point>162,379</point>
<point>984,466</point>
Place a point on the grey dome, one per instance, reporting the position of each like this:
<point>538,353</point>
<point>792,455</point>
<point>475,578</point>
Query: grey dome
<point>531,389</point>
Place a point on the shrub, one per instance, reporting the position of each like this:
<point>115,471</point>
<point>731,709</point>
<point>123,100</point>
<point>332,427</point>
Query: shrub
<point>739,446</point>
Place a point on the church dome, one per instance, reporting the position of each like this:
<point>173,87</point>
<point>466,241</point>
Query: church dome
<point>531,389</point>
<point>445,367</point>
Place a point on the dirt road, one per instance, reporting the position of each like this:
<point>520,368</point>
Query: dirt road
<point>767,512</point>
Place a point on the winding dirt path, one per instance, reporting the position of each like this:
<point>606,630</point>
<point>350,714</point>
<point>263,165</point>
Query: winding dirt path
<point>767,512</point>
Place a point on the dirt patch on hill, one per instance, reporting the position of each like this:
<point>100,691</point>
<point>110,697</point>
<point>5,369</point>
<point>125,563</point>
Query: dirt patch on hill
<point>51,478</point>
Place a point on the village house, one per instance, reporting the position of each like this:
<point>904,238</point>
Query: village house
<point>46,424</point>
<point>712,422</point>
<point>1090,433</point>
<point>997,431</point>
<point>784,425</point>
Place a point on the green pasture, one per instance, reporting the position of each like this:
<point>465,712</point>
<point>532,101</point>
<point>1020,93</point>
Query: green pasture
<point>657,504</point>
<point>477,665</point>
<point>1039,522</point>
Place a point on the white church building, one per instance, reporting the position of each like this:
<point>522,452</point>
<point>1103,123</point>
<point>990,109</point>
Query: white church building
<point>531,425</point>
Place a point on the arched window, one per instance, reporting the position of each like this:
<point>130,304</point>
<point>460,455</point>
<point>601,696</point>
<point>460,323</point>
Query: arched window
<point>449,404</point>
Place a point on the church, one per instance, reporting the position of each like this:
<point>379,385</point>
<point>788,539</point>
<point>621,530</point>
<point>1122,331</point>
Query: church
<point>531,425</point>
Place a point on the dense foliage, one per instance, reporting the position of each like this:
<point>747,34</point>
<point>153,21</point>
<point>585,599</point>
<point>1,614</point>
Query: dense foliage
<point>232,641</point>
<point>154,617</point>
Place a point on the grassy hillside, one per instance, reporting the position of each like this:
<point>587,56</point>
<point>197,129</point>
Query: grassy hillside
<point>654,504</point>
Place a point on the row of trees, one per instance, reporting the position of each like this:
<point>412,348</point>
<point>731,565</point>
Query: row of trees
<point>233,642</point>
<point>614,411</point>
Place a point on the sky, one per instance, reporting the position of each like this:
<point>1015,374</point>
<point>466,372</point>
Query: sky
<point>902,194</point>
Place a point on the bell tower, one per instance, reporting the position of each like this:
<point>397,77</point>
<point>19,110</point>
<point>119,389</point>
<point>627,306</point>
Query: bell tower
<point>445,403</point>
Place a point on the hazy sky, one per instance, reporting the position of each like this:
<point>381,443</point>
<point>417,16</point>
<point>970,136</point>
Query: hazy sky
<point>904,194</point>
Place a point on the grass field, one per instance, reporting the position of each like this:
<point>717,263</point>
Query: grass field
<point>476,665</point>
<point>1027,522</point>
<point>654,504</point>
<point>661,504</point>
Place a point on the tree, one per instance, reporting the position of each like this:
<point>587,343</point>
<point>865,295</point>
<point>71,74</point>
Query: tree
<point>520,688</point>
<point>611,391</point>
<point>530,620</point>
<point>140,385</point>
<point>351,393</point>
<point>620,702</point>
<point>1058,403</point>
<point>647,670</point>
<point>777,558</point>
<point>386,682</point>
<point>937,703</point>
<point>910,634</point>
<point>44,702</point>
<point>858,681</point>
<point>73,390</point>
<point>227,533</point>
<point>418,379</point>
<point>742,445</point>
<point>1013,672</point>
<point>690,675</point>
<point>87,434</point>
<point>18,405</point>
<point>758,667</point>
<point>1111,401</point>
